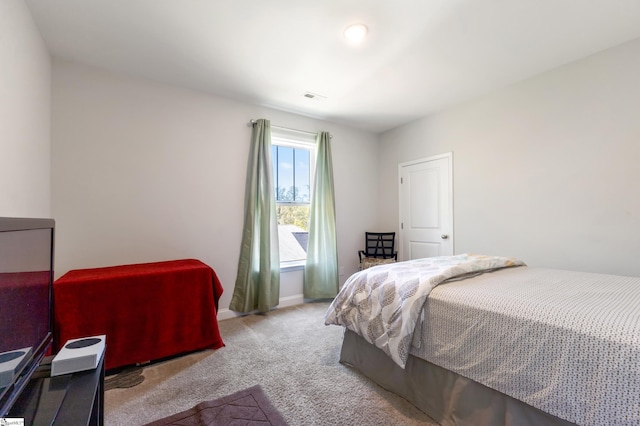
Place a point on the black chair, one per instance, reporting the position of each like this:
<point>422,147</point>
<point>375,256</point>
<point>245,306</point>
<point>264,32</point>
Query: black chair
<point>379,246</point>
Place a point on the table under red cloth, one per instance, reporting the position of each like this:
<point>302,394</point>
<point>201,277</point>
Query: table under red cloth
<point>148,311</point>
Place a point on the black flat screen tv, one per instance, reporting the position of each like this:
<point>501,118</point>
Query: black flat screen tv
<point>26,282</point>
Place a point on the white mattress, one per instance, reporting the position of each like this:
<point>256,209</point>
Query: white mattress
<point>565,342</point>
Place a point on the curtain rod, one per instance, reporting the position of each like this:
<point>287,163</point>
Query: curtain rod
<point>253,123</point>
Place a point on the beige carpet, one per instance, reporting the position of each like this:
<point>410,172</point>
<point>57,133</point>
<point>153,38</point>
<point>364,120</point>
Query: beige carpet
<point>290,353</point>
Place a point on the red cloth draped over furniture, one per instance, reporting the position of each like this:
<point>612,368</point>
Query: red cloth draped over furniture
<point>148,311</point>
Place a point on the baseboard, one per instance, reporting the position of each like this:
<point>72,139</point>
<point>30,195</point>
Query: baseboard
<point>296,299</point>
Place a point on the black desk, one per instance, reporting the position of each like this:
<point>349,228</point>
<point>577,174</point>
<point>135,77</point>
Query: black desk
<point>72,399</point>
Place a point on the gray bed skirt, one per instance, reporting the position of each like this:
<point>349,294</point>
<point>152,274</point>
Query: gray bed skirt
<point>447,397</point>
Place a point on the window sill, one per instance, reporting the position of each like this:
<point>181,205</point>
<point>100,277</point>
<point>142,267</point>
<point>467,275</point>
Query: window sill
<point>295,265</point>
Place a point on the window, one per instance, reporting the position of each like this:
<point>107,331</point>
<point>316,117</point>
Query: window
<point>293,159</point>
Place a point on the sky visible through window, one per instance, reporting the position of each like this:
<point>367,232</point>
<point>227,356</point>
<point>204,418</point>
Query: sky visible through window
<point>292,176</point>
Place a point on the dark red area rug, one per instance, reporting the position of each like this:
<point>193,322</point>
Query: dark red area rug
<point>248,407</point>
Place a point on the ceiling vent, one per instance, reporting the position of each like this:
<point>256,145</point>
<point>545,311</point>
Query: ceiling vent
<point>314,96</point>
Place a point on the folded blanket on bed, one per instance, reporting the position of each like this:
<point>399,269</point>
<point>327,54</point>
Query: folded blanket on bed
<point>383,303</point>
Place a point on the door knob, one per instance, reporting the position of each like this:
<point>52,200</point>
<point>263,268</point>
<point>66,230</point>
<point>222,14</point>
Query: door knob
<point>444,236</point>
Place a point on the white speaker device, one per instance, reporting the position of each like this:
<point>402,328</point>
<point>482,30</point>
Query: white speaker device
<point>78,355</point>
<point>10,363</point>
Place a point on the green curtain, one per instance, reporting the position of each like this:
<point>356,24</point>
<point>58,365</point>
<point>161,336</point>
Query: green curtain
<point>258,280</point>
<point>321,270</point>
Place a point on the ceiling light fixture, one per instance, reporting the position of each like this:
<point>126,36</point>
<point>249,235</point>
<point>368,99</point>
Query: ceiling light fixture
<point>355,33</point>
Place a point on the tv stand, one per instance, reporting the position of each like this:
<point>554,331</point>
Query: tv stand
<point>70,399</point>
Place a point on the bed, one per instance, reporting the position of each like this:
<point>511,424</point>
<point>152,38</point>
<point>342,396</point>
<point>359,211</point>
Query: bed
<point>486,340</point>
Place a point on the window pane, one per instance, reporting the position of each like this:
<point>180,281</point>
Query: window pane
<point>302,175</point>
<point>293,215</point>
<point>284,183</point>
<point>293,226</point>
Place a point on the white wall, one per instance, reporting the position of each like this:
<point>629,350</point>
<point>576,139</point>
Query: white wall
<point>147,172</point>
<point>25,109</point>
<point>546,170</point>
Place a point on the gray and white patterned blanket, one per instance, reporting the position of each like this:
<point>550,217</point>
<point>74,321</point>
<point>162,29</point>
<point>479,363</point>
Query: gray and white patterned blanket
<point>384,303</point>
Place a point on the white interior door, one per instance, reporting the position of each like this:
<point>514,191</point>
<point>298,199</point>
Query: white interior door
<point>426,207</point>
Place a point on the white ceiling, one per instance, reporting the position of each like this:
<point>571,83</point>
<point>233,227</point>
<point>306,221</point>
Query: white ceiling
<point>420,55</point>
